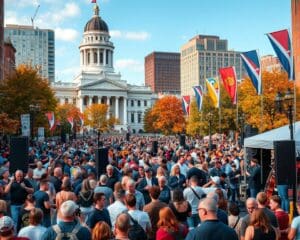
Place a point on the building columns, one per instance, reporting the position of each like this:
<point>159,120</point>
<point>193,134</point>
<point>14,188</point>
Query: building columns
<point>125,111</point>
<point>108,106</point>
<point>117,107</point>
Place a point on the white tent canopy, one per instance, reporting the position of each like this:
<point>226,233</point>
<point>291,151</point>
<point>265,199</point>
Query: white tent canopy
<point>266,140</point>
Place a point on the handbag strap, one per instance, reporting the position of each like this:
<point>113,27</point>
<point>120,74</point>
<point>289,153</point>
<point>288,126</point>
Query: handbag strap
<point>236,222</point>
<point>195,193</point>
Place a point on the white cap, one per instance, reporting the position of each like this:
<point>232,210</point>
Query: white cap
<point>215,179</point>
<point>68,208</point>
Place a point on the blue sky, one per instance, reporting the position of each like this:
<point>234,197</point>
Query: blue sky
<point>139,27</point>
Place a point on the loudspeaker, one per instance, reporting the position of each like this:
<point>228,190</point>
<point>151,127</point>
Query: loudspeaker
<point>19,154</point>
<point>101,160</point>
<point>285,162</point>
<point>127,137</point>
<point>182,140</point>
<point>249,131</point>
<point>154,147</point>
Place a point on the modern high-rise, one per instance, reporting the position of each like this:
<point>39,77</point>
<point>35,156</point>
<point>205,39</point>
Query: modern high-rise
<point>35,47</point>
<point>1,39</point>
<point>162,72</point>
<point>296,38</point>
<point>201,57</point>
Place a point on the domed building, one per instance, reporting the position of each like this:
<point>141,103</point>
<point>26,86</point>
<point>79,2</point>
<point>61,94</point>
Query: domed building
<point>98,83</point>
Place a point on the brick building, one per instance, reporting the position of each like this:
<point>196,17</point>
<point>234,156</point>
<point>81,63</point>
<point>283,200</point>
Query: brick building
<point>1,39</point>
<point>162,72</point>
<point>9,58</point>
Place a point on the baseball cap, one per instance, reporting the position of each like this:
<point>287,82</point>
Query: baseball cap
<point>6,224</point>
<point>68,208</point>
<point>215,179</point>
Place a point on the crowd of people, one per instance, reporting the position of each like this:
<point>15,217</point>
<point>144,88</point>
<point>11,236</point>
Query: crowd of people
<point>175,192</point>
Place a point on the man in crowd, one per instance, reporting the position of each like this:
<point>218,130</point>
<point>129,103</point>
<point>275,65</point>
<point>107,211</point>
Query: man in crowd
<point>251,205</point>
<point>147,182</point>
<point>69,224</point>
<point>253,174</point>
<point>117,207</point>
<point>140,202</point>
<point>100,213</point>
<point>122,226</point>
<point>211,228</point>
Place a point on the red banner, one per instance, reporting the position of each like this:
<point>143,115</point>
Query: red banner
<point>229,81</point>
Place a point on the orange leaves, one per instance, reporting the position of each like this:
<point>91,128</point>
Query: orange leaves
<point>252,104</point>
<point>166,116</point>
<point>8,125</point>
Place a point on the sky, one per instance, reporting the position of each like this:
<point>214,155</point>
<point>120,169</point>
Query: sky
<point>139,27</point>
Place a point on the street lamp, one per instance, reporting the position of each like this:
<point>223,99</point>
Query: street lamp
<point>209,118</point>
<point>242,124</point>
<point>286,104</point>
<point>33,109</point>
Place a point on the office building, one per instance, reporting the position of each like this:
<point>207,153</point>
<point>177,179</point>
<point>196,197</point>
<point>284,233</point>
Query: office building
<point>162,72</point>
<point>295,4</point>
<point>1,39</point>
<point>201,57</point>
<point>35,47</point>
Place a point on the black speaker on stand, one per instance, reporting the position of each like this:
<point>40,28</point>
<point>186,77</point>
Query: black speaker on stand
<point>182,140</point>
<point>127,137</point>
<point>18,157</point>
<point>101,160</point>
<point>154,147</point>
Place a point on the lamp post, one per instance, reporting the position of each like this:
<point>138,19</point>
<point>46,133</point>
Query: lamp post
<point>209,117</point>
<point>242,124</point>
<point>33,109</point>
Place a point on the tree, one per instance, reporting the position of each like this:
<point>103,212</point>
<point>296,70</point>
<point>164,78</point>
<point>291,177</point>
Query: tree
<point>166,116</point>
<point>24,88</point>
<point>149,120</point>
<point>252,104</point>
<point>8,125</point>
<point>63,112</point>
<point>95,116</point>
<point>198,122</point>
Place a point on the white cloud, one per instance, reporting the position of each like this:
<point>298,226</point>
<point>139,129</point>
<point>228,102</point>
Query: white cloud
<point>130,64</point>
<point>22,3</point>
<point>12,17</point>
<point>138,36</point>
<point>66,34</point>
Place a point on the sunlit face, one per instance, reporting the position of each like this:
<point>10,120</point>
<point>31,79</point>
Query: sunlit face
<point>176,170</point>
<point>273,205</point>
<point>19,176</point>
<point>131,188</point>
<point>109,171</point>
<point>251,206</point>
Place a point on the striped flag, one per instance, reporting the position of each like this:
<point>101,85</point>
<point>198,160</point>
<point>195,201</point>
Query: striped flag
<point>252,66</point>
<point>71,121</point>
<point>94,1</point>
<point>229,81</point>
<point>213,86</point>
<point>186,100</point>
<point>199,96</point>
<point>51,119</point>
<point>282,45</point>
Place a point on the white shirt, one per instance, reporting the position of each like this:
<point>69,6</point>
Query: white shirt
<point>114,210</point>
<point>32,232</point>
<point>37,173</point>
<point>141,217</point>
<point>183,168</point>
<point>149,182</point>
<point>191,197</point>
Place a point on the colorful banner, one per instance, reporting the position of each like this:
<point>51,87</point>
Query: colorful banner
<point>213,87</point>
<point>252,66</point>
<point>186,100</point>
<point>51,119</point>
<point>282,45</point>
<point>71,121</point>
<point>199,96</point>
<point>94,1</point>
<point>228,76</point>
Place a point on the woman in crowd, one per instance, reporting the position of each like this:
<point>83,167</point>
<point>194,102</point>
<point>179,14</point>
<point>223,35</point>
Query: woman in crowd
<point>25,211</point>
<point>222,203</point>
<point>282,216</point>
<point>234,219</point>
<point>85,199</point>
<point>101,231</point>
<point>176,179</point>
<point>180,207</point>
<point>260,227</point>
<point>168,226</point>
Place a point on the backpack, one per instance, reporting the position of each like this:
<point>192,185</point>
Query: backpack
<point>136,232</point>
<point>66,235</point>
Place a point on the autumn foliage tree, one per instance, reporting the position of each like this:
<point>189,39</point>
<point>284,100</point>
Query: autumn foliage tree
<point>260,111</point>
<point>63,112</point>
<point>221,121</point>
<point>24,88</point>
<point>166,116</point>
<point>95,116</point>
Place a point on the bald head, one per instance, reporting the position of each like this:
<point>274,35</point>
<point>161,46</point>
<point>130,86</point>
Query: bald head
<point>251,204</point>
<point>122,223</point>
<point>57,172</point>
<point>209,204</point>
